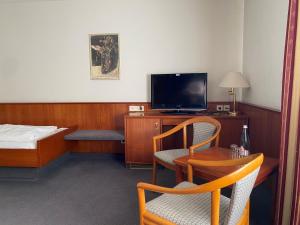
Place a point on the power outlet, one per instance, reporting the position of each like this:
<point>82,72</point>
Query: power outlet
<point>226,108</point>
<point>220,107</point>
<point>136,108</point>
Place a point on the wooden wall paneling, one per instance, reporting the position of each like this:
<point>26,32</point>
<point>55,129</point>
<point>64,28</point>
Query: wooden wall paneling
<point>231,130</point>
<point>264,129</point>
<point>84,115</point>
<point>264,124</point>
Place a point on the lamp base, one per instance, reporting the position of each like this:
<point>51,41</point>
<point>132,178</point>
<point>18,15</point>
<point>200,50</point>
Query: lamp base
<point>233,113</point>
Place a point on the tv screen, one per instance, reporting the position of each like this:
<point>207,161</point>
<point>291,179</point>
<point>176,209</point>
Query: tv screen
<point>184,91</point>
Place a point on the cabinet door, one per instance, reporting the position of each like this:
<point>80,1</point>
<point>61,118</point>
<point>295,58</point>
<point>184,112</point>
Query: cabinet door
<point>139,133</point>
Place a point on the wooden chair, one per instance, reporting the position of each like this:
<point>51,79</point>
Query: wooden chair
<point>189,203</point>
<point>206,130</point>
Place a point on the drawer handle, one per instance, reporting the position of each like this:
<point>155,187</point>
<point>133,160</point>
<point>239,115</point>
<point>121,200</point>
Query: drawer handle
<point>156,125</point>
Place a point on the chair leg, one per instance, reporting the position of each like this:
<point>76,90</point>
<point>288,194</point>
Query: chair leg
<point>154,172</point>
<point>245,218</point>
<point>248,212</point>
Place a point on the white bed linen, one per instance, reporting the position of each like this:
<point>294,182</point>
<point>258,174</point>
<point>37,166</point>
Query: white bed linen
<point>24,136</point>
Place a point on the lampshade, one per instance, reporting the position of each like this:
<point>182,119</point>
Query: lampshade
<point>234,80</point>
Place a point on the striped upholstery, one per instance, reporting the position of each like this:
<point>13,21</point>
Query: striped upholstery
<point>201,132</point>
<point>169,155</point>
<point>186,209</point>
<point>195,209</point>
<point>239,197</point>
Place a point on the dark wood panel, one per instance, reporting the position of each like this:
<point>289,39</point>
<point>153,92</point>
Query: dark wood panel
<point>48,149</point>
<point>231,130</point>
<point>94,115</point>
<point>264,129</point>
<point>264,124</point>
<point>84,115</point>
<point>19,158</point>
<point>52,147</point>
<point>138,136</point>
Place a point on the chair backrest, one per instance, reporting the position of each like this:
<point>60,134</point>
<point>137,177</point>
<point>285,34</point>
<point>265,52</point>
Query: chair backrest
<point>205,130</point>
<point>242,179</point>
<point>240,194</point>
<point>201,132</point>
<point>204,127</point>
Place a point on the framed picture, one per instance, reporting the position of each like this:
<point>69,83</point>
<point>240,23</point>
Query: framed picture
<point>104,56</point>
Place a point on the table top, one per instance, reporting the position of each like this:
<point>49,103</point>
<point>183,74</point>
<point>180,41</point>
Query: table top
<point>217,153</point>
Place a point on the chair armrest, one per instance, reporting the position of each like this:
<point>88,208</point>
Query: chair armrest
<point>167,133</point>
<point>252,161</point>
<point>230,162</point>
<point>249,163</point>
<point>193,147</point>
<point>212,138</point>
<point>179,191</point>
<point>142,187</point>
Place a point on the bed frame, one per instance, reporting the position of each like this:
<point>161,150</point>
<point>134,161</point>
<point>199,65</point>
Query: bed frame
<point>48,149</point>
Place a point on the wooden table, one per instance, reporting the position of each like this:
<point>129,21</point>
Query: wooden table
<point>268,167</point>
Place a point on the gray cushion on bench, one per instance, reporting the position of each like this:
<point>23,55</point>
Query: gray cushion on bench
<point>96,135</point>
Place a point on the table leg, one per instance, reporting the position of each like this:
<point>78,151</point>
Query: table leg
<point>179,174</point>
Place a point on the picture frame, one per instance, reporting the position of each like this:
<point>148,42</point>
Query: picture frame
<point>104,56</point>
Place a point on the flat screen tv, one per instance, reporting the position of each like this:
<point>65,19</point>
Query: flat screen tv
<point>179,92</point>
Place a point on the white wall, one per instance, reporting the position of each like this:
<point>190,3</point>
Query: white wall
<point>44,48</point>
<point>264,40</point>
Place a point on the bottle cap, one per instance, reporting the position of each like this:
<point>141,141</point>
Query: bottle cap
<point>245,126</point>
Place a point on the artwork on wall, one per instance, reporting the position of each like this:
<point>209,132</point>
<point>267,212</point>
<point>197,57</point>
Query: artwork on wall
<point>104,56</point>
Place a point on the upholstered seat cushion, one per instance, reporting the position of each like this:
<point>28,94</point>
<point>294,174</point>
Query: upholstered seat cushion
<point>169,155</point>
<point>187,209</point>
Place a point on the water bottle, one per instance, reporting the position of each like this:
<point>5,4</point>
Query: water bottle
<point>245,142</point>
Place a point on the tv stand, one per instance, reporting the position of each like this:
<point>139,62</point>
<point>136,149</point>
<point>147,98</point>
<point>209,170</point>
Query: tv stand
<point>140,128</point>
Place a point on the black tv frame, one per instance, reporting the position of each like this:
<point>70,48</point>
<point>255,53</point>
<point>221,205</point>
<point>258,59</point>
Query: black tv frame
<point>178,109</point>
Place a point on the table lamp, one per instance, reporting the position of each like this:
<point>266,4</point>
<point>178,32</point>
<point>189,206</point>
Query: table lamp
<point>234,80</point>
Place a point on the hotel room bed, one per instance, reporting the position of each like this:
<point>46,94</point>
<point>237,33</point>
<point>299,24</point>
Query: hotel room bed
<point>31,149</point>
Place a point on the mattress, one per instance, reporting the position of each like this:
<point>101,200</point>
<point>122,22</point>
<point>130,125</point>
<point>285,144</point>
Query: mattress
<point>24,136</point>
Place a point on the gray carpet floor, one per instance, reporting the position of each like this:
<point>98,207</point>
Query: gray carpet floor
<point>93,189</point>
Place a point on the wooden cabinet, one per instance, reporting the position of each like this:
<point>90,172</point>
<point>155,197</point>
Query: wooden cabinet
<point>140,128</point>
<point>138,139</point>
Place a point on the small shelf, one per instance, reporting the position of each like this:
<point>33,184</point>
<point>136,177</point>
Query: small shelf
<point>96,135</point>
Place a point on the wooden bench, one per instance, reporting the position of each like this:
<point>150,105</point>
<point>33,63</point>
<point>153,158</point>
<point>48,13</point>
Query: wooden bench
<point>96,135</point>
